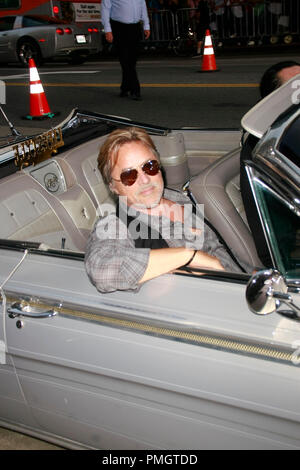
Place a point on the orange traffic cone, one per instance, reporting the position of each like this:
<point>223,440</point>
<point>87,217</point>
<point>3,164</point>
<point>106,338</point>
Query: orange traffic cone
<point>209,61</point>
<point>39,108</point>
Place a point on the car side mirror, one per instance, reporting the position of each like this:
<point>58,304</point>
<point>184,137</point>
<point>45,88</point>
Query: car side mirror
<point>267,291</point>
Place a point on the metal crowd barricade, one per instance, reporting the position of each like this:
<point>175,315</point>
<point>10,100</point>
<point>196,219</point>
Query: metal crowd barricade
<point>172,30</point>
<point>264,21</point>
<point>163,26</point>
<point>242,22</point>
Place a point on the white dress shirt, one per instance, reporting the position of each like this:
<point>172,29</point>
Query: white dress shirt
<point>125,11</point>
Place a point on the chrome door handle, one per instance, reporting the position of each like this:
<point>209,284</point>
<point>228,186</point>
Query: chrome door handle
<point>16,309</point>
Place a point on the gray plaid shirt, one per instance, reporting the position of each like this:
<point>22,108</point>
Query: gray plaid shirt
<point>114,263</point>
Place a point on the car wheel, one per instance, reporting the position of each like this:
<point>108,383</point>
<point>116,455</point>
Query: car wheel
<point>27,49</point>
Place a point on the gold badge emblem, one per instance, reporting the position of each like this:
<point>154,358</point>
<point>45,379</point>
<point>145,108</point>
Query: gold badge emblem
<point>37,149</point>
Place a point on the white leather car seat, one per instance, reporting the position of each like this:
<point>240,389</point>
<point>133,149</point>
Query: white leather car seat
<point>217,187</point>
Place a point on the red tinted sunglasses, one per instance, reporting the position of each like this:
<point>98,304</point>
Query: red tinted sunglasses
<point>129,177</point>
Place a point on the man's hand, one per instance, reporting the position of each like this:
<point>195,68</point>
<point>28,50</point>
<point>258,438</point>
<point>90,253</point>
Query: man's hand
<point>147,33</point>
<point>109,37</point>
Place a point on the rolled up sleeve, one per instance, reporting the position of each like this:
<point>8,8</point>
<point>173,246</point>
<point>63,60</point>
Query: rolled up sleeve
<point>114,263</point>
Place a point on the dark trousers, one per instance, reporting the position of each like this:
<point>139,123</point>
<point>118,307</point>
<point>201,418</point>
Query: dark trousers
<point>126,41</point>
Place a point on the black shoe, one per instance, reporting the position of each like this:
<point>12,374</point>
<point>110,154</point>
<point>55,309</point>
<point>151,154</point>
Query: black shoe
<point>136,96</point>
<point>123,94</point>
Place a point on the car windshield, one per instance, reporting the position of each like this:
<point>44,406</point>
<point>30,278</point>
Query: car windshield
<point>282,224</point>
<point>38,20</point>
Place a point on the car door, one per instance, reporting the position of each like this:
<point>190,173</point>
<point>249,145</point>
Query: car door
<point>183,363</point>
<point>6,26</point>
<point>13,405</point>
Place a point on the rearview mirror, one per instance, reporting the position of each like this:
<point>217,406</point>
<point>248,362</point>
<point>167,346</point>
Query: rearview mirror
<point>267,291</point>
<point>260,291</point>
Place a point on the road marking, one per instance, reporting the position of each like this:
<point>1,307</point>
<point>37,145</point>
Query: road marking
<point>147,85</point>
<point>25,75</point>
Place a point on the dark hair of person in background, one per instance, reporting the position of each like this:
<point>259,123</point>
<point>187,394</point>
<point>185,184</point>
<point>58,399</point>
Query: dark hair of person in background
<point>270,79</point>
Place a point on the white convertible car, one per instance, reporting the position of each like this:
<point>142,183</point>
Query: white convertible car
<point>188,362</point>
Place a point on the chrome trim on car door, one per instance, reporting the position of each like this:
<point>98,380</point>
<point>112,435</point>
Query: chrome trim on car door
<point>166,330</point>
<point>27,310</point>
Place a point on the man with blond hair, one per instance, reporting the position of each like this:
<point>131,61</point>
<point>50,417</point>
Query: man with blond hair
<point>154,229</point>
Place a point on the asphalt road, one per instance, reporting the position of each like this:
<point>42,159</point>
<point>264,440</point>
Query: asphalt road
<point>175,94</point>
